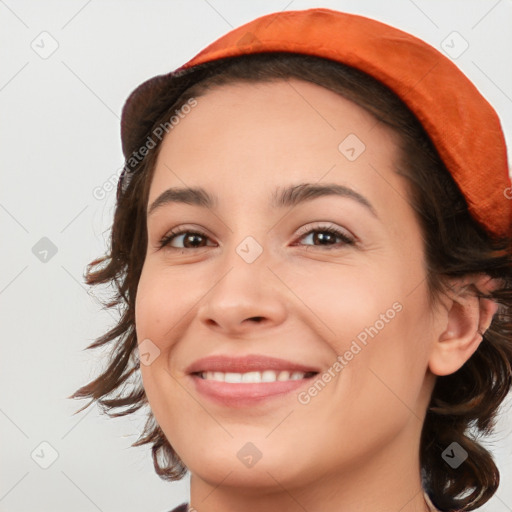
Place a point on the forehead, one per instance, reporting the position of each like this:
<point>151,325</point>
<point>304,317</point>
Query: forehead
<point>251,137</point>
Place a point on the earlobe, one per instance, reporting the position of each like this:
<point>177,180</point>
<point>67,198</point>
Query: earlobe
<point>468,317</point>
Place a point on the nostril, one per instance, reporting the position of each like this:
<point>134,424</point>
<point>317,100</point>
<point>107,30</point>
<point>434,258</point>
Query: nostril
<point>257,318</point>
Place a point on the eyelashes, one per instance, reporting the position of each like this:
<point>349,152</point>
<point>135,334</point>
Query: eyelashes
<point>194,236</point>
<point>167,239</point>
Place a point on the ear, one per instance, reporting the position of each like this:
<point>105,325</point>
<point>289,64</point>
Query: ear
<point>466,319</point>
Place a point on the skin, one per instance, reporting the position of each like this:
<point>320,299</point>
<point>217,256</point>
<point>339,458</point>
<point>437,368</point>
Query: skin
<point>353,447</point>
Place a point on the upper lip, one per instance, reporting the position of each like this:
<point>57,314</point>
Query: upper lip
<point>224,363</point>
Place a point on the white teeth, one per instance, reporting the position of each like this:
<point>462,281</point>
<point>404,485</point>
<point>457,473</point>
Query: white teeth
<point>268,376</point>
<point>284,376</point>
<point>253,377</point>
<point>232,377</point>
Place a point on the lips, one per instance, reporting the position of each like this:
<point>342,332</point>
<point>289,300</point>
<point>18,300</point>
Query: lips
<point>222,379</point>
<point>250,363</point>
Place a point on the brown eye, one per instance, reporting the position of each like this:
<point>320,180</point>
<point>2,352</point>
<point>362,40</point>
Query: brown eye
<point>327,237</point>
<point>189,239</point>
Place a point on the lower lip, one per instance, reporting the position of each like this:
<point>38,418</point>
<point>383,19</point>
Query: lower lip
<point>243,395</point>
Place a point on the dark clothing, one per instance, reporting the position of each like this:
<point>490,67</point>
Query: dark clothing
<point>181,508</point>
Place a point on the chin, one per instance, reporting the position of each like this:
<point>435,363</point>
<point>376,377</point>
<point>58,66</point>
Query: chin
<point>244,464</point>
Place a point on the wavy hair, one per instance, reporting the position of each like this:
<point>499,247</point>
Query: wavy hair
<point>463,405</point>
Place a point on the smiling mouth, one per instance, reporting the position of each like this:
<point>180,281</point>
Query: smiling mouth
<point>255,377</point>
<point>252,388</point>
<point>252,380</point>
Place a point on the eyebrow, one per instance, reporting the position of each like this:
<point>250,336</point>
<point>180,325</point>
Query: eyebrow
<point>281,198</point>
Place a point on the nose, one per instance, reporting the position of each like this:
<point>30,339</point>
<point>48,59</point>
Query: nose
<point>248,296</point>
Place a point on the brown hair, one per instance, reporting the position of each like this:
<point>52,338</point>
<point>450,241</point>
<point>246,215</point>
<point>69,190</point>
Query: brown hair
<point>463,405</point>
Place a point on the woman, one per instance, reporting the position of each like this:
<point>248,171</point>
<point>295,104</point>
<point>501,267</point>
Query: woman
<point>312,248</point>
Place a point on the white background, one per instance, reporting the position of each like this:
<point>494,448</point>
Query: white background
<point>60,140</point>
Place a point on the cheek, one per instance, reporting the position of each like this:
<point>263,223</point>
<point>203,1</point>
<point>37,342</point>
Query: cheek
<point>378,381</point>
<point>160,316</point>
<point>350,302</point>
<point>385,361</point>
<point>163,300</point>
<point>376,321</point>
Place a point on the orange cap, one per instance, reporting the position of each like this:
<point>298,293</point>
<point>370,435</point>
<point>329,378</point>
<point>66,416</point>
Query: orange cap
<point>463,126</point>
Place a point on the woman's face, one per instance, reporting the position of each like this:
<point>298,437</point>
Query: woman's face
<point>256,274</point>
